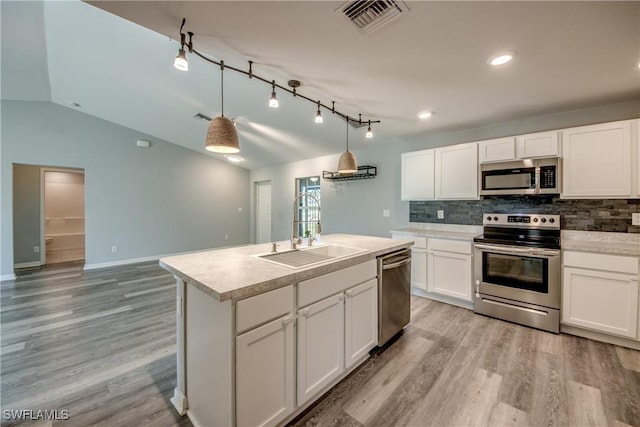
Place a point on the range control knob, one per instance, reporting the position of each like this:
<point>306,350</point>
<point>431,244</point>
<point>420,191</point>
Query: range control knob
<point>488,218</point>
<point>551,220</point>
<point>543,220</point>
<point>495,218</point>
<point>535,219</point>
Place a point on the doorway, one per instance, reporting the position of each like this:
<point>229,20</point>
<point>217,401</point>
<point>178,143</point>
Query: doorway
<point>63,220</point>
<point>263,211</point>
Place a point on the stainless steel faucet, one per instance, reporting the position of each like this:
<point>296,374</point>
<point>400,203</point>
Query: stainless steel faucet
<point>295,239</point>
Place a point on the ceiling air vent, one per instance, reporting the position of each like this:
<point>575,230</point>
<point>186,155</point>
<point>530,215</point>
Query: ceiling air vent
<point>370,16</point>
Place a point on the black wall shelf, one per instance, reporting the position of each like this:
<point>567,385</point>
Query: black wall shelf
<point>364,172</point>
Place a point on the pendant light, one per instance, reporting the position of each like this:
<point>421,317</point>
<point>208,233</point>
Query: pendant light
<point>347,162</point>
<point>318,118</point>
<point>221,135</point>
<point>273,102</point>
<point>369,133</point>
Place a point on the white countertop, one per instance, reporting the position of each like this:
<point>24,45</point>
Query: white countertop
<point>233,273</point>
<point>442,231</point>
<point>601,242</point>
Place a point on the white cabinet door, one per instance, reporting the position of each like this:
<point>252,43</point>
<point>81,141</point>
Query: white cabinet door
<point>320,346</point>
<point>597,161</point>
<point>418,177</point>
<point>457,172</point>
<point>361,321</point>
<point>419,268</point>
<point>449,274</point>
<point>600,300</point>
<point>542,144</point>
<point>495,150</point>
<point>265,372</point>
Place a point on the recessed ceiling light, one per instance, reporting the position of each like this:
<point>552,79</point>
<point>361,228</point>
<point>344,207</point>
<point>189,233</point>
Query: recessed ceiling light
<point>501,58</point>
<point>423,115</point>
<point>234,158</point>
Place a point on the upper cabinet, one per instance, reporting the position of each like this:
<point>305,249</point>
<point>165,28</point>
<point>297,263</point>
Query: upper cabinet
<point>457,172</point>
<point>531,146</point>
<point>541,144</point>
<point>441,173</point>
<point>598,162</point>
<point>497,150</point>
<point>418,176</point>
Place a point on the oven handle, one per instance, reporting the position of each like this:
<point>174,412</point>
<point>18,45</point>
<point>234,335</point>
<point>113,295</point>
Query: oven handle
<point>512,250</point>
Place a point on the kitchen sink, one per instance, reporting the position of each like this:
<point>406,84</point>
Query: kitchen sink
<point>303,257</point>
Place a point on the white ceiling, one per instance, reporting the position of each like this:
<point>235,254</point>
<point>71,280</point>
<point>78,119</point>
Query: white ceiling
<point>569,55</point>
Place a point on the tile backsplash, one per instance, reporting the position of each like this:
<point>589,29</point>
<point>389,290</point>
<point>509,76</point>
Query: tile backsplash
<point>586,215</point>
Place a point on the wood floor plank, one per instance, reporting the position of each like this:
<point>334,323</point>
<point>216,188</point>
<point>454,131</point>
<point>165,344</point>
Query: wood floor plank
<point>585,405</point>
<point>504,415</point>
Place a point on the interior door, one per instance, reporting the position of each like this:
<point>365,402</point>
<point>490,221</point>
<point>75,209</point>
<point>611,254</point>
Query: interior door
<point>263,212</point>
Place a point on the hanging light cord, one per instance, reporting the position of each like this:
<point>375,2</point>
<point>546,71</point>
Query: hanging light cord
<point>251,74</point>
<point>222,87</point>
<point>347,135</point>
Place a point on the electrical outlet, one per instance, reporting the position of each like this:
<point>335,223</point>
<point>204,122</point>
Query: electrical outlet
<point>226,237</point>
<point>114,249</point>
<point>440,214</point>
<point>386,213</point>
<point>635,218</point>
<point>36,249</point>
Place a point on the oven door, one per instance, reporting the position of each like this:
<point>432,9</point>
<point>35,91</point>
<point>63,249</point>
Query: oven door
<point>530,275</point>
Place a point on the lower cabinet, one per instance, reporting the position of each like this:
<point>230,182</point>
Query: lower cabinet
<point>449,268</point>
<point>333,335</point>
<point>265,361</point>
<point>320,345</point>
<point>600,292</point>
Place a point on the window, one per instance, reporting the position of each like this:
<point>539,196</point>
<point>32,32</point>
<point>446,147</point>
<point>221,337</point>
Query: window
<point>308,207</point>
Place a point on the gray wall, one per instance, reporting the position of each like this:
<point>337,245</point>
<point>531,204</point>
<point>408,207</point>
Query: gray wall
<point>347,207</point>
<point>149,202</point>
<point>26,213</point>
<point>356,207</point>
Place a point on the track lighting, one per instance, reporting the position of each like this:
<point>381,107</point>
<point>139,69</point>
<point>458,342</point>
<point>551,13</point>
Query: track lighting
<point>369,134</point>
<point>221,134</point>
<point>319,115</point>
<point>273,102</point>
<point>181,62</point>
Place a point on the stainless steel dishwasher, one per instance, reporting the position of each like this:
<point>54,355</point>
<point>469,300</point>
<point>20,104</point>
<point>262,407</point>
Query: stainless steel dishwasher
<point>394,294</point>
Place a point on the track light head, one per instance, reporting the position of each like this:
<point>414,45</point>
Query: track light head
<point>181,62</point>
<point>369,133</point>
<point>319,118</point>
<point>273,102</point>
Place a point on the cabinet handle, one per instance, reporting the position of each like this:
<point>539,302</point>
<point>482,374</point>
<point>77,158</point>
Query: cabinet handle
<point>286,320</point>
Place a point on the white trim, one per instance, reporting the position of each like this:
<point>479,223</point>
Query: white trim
<point>150,258</point>
<point>7,277</point>
<point>26,265</point>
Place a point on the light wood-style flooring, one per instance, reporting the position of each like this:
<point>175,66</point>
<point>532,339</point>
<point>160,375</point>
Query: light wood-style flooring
<point>101,344</point>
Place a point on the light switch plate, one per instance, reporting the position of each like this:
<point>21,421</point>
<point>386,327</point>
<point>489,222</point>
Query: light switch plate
<point>386,213</point>
<point>440,214</point>
<point>635,219</point>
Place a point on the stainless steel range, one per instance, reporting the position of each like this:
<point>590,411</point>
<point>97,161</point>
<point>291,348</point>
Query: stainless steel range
<point>517,269</point>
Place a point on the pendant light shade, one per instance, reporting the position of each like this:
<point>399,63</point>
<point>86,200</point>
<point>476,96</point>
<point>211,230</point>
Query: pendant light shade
<point>347,162</point>
<point>222,136</point>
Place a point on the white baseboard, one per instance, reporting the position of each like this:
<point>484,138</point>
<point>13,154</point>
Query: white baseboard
<point>6,277</point>
<point>148,258</point>
<point>30,264</point>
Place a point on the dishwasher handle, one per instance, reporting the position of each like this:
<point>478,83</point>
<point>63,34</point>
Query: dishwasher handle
<point>396,264</point>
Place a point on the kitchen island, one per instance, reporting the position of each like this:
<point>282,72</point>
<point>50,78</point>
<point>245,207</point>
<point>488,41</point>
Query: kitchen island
<point>258,342</point>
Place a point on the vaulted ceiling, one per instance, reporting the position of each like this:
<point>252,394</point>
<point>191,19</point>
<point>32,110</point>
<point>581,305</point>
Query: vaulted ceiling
<point>114,59</point>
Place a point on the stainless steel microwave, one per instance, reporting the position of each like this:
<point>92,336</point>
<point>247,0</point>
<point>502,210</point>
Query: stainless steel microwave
<point>531,176</point>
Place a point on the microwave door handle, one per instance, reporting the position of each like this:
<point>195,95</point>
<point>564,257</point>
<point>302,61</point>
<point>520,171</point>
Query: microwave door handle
<point>537,178</point>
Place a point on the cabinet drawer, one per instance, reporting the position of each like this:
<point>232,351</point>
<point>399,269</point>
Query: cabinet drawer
<point>320,287</point>
<point>457,246</point>
<point>261,308</point>
<point>593,261</point>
